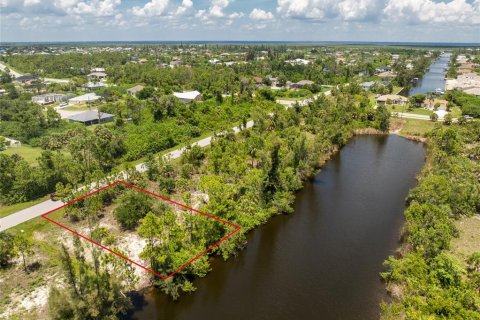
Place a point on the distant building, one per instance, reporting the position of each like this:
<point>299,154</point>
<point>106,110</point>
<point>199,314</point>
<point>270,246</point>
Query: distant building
<point>301,84</point>
<point>91,117</point>
<point>98,70</point>
<point>84,98</point>
<point>391,99</point>
<point>431,103</point>
<point>367,85</point>
<point>176,63</point>
<point>26,79</point>
<point>383,69</point>
<point>97,75</point>
<point>387,75</point>
<point>51,98</point>
<point>188,96</point>
<point>134,90</point>
<point>93,85</point>
<point>297,62</point>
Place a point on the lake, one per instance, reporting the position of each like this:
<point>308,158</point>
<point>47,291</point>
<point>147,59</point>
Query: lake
<point>434,78</point>
<point>322,261</point>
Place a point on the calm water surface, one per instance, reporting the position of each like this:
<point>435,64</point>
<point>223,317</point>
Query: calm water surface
<point>434,78</point>
<point>324,260</point>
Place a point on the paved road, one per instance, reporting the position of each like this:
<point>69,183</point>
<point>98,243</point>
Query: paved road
<point>27,214</point>
<point>24,215</point>
<point>48,205</point>
<point>17,74</point>
<point>413,116</point>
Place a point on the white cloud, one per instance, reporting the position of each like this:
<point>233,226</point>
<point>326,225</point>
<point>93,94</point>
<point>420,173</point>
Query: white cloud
<point>236,15</point>
<point>30,3</point>
<point>99,8</point>
<point>427,11</point>
<point>185,7</point>
<point>216,8</point>
<point>152,8</point>
<point>306,9</point>
<point>359,9</point>
<point>259,14</point>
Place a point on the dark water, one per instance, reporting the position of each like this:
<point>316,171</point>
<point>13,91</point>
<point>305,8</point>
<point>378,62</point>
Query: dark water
<point>434,78</point>
<point>324,260</point>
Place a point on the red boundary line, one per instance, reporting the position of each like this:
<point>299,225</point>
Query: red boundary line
<point>237,227</point>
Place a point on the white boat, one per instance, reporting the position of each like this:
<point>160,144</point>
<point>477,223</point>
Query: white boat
<point>439,91</point>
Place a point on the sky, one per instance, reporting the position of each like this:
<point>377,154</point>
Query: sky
<point>249,20</point>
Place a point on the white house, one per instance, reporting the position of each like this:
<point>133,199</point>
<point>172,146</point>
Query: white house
<point>51,98</point>
<point>188,96</point>
<point>84,98</point>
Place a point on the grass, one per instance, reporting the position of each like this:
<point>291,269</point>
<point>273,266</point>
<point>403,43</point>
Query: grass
<point>7,210</point>
<point>468,241</point>
<point>456,112</point>
<point>396,90</point>
<point>404,109</point>
<point>81,107</point>
<point>30,154</point>
<point>413,127</point>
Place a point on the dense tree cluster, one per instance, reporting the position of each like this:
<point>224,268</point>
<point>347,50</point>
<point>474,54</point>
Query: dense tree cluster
<point>427,281</point>
<point>247,178</point>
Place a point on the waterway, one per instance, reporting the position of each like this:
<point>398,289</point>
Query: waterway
<point>321,262</point>
<point>434,78</point>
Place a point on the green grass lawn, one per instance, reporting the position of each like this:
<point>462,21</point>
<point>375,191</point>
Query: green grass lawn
<point>7,210</point>
<point>420,111</point>
<point>456,112</point>
<point>81,107</point>
<point>396,90</point>
<point>415,127</point>
<point>30,154</point>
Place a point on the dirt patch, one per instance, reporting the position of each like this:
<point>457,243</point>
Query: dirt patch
<point>468,241</point>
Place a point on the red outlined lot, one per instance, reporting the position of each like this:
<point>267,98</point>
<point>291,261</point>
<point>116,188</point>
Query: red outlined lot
<point>164,277</point>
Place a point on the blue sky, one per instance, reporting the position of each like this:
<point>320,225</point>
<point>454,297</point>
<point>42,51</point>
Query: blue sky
<point>301,20</point>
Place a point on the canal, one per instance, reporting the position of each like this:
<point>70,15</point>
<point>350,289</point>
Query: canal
<point>321,262</point>
<point>434,78</point>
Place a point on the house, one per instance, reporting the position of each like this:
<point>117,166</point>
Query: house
<point>51,98</point>
<point>91,117</point>
<point>97,75</point>
<point>84,98</point>
<point>214,61</point>
<point>26,79</point>
<point>175,63</point>
<point>258,80</point>
<point>367,85</point>
<point>97,70</point>
<point>93,85</point>
<point>301,84</point>
<point>133,91</point>
<point>387,75</point>
<point>12,143</point>
<point>298,62</point>
<point>383,69</point>
<point>2,92</point>
<point>391,99</point>
<point>188,96</point>
<point>431,103</point>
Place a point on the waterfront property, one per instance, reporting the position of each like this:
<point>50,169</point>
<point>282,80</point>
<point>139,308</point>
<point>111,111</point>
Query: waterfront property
<point>391,99</point>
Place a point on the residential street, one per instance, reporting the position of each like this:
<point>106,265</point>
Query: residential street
<point>48,205</point>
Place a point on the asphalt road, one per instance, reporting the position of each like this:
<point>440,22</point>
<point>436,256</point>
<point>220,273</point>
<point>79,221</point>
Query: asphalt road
<point>19,217</point>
